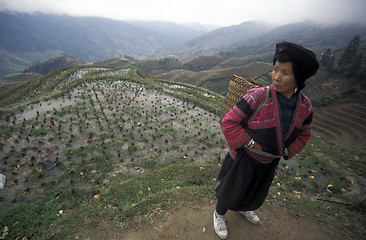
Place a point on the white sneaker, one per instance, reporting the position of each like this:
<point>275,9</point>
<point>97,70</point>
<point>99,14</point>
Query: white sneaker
<point>251,216</point>
<point>220,226</point>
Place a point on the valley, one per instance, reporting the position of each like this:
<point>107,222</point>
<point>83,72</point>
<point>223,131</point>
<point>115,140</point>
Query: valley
<point>97,147</point>
<point>101,141</point>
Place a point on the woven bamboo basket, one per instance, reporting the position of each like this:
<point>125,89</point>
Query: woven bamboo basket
<point>238,86</point>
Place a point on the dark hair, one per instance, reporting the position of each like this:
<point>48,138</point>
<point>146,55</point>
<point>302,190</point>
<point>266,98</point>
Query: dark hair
<point>282,56</point>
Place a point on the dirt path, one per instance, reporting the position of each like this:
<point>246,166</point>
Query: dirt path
<point>197,223</point>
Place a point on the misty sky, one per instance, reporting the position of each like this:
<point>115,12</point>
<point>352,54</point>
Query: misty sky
<point>223,13</point>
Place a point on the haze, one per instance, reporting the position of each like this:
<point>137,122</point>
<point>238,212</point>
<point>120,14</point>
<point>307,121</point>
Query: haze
<point>221,13</point>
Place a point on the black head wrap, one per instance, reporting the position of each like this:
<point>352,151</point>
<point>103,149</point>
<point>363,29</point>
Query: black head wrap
<point>303,61</point>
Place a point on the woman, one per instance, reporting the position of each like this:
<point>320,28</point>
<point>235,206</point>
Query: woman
<point>281,128</point>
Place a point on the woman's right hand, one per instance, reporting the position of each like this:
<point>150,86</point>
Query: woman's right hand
<point>258,146</point>
<point>253,144</point>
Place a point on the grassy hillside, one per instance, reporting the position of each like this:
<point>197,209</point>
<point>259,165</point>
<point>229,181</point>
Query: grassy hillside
<point>241,61</point>
<point>53,64</point>
<point>17,78</point>
<point>85,147</point>
<point>208,78</point>
<point>158,66</point>
<point>201,63</point>
<point>117,62</point>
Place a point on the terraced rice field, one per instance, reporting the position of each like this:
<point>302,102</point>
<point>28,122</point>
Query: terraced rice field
<point>101,128</point>
<point>18,78</point>
<point>345,121</point>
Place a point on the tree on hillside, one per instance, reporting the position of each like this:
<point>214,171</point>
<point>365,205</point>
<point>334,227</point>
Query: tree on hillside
<point>328,60</point>
<point>350,62</point>
<point>154,66</point>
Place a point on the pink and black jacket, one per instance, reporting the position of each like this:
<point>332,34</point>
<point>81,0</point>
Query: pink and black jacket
<point>265,127</point>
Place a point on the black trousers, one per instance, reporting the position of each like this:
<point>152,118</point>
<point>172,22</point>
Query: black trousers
<point>220,209</point>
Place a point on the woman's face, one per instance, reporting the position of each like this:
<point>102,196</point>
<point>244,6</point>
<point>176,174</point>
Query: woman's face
<point>283,79</point>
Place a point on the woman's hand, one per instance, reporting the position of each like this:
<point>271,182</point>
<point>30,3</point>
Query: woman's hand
<point>253,144</point>
<point>258,146</point>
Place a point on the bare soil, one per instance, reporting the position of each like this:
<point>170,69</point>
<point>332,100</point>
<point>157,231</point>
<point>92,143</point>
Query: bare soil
<point>196,222</point>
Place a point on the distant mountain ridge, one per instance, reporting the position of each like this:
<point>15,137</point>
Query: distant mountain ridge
<point>101,37</point>
<point>177,32</point>
<point>218,39</point>
<point>27,39</point>
<point>253,38</point>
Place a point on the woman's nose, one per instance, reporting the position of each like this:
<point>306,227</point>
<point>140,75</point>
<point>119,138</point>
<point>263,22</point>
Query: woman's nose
<point>277,76</point>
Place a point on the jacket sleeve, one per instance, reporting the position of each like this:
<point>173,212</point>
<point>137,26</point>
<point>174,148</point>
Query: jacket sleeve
<point>302,137</point>
<point>232,128</point>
